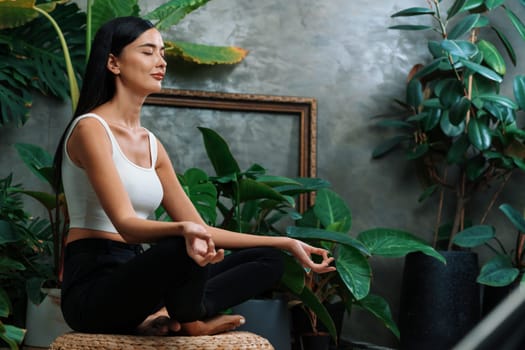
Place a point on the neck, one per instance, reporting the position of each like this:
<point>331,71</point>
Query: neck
<point>123,115</point>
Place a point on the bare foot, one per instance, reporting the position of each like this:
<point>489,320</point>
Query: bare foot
<point>214,325</point>
<point>158,324</point>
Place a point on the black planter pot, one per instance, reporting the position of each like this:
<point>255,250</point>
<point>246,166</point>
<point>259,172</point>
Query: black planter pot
<point>439,303</point>
<point>492,296</point>
<point>319,341</point>
<point>269,318</point>
<point>301,325</point>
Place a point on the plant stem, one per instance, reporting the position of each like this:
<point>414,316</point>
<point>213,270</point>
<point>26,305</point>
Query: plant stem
<point>88,28</point>
<point>440,210</point>
<point>495,197</point>
<point>458,216</point>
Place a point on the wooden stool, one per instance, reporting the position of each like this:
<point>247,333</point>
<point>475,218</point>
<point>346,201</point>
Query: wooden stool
<point>226,341</point>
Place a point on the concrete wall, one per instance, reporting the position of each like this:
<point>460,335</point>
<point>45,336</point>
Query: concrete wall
<point>337,51</point>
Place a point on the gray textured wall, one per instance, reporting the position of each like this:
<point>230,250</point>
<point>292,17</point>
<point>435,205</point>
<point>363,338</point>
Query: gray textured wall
<point>337,51</point>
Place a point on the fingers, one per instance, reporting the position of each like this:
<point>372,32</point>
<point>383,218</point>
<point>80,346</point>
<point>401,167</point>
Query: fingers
<point>324,266</point>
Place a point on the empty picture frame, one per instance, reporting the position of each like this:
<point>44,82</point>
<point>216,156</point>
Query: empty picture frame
<point>277,132</point>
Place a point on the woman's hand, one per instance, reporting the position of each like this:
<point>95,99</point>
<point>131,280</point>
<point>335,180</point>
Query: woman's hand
<point>303,253</point>
<point>199,244</point>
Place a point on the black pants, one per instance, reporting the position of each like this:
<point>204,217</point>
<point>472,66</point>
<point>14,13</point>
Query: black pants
<point>111,287</point>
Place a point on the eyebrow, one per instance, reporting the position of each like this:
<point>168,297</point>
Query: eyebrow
<point>151,45</point>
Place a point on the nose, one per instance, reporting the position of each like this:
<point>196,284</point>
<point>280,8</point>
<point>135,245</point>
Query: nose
<point>162,61</point>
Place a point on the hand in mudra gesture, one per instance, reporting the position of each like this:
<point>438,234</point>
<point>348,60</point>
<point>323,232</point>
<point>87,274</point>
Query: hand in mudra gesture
<point>303,253</point>
<point>200,246</point>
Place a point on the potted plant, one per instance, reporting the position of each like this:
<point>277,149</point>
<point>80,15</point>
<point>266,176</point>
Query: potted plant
<point>34,57</point>
<point>504,271</point>
<point>328,224</point>
<point>460,131</point>
<point>24,247</point>
<point>44,291</point>
<point>255,202</point>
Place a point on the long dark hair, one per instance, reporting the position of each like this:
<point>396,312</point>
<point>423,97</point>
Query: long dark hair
<point>98,84</point>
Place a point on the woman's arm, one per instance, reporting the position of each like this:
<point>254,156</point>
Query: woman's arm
<point>90,148</point>
<point>180,208</point>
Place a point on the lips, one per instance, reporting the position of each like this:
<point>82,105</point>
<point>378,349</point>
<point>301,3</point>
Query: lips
<point>158,76</point>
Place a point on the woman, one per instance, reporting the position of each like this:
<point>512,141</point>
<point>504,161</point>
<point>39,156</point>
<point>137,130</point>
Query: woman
<point>115,173</point>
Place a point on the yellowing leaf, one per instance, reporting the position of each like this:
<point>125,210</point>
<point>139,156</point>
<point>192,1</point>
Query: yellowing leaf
<point>205,54</point>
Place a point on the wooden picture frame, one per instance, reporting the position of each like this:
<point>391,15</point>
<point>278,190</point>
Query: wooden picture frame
<point>302,108</point>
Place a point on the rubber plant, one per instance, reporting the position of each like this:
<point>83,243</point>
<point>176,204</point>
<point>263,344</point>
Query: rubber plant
<point>507,266</point>
<point>31,57</point>
<point>456,124</point>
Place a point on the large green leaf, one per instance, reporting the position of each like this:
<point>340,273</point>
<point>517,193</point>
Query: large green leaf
<point>104,10</point>
<point>473,5</point>
<point>387,146</point>
<point>456,7</point>
<point>305,185</point>
<point>460,48</point>
<point>465,25</point>
<point>414,93</point>
<point>15,104</point>
<point>205,54</point>
<point>36,158</point>
<point>519,90</point>
<point>506,43</point>
<point>8,264</point>
<point>310,233</point>
<point>448,128</point>
<point>492,57</point>
<point>498,272</point>
<point>7,234</point>
<point>459,110</point>
<point>430,68</point>
<point>516,22</point>
<point>492,4</point>
<point>354,270</point>
<point>202,193</point>
<point>12,335</point>
<point>219,153</point>
<point>251,189</point>
<point>331,208</point>
<point>395,243</point>
<point>479,134</point>
<point>379,307</point>
<point>474,236</point>
<point>514,216</point>
<point>48,200</point>
<point>37,58</point>
<point>483,71</point>
<point>432,119</point>
<point>294,275</point>
<point>494,98</point>
<point>171,12</point>
<point>410,27</point>
<point>414,11</point>
<point>17,13</point>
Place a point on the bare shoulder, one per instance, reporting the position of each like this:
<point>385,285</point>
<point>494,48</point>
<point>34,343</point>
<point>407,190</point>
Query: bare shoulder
<point>90,129</point>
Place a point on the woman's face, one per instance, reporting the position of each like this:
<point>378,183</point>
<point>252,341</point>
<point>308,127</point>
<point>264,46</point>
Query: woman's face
<point>141,66</point>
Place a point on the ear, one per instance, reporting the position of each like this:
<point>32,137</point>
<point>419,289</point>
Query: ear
<point>112,64</point>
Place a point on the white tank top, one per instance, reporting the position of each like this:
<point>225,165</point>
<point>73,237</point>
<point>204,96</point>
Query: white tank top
<point>142,185</point>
